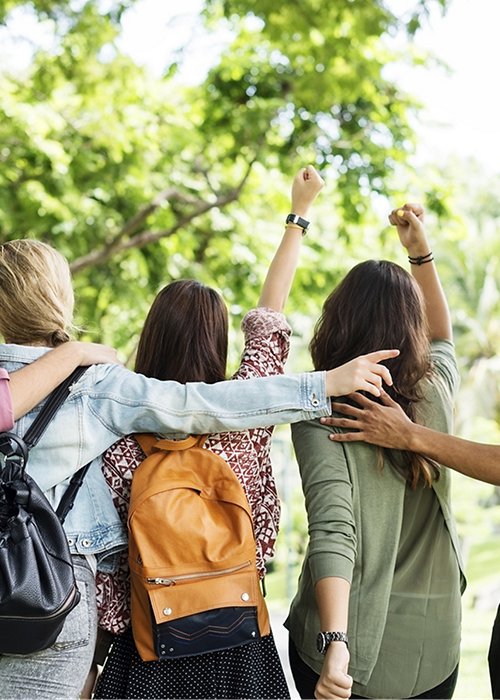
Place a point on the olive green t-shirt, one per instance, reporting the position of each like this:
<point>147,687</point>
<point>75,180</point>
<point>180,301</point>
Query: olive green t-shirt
<point>426,595</point>
<point>396,546</point>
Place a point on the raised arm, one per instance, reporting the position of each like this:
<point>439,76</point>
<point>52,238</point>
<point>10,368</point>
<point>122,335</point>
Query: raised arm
<point>409,221</point>
<point>306,185</point>
<point>30,385</point>
<point>388,426</point>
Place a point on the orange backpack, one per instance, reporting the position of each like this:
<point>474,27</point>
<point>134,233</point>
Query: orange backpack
<point>194,581</point>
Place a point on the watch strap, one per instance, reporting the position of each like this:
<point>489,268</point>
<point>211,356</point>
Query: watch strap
<point>328,637</point>
<point>298,221</point>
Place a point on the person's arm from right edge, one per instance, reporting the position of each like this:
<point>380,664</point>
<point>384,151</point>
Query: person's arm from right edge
<point>388,426</point>
<point>32,383</point>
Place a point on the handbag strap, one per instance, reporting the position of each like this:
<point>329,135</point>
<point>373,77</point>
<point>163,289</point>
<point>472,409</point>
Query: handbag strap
<point>37,428</point>
<point>68,497</point>
<point>54,401</point>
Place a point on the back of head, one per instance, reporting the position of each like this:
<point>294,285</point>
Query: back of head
<point>36,295</point>
<point>378,305</point>
<point>185,335</point>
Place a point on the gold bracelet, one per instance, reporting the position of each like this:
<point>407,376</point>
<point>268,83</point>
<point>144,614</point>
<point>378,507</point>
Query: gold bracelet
<point>297,227</point>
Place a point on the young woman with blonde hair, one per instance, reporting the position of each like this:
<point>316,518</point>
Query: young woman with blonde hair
<point>377,610</point>
<point>107,403</point>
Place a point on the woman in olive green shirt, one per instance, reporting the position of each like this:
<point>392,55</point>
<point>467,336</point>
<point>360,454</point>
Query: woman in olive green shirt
<point>377,612</point>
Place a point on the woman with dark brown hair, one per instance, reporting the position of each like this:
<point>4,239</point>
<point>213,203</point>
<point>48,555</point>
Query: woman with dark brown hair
<point>185,337</point>
<point>377,610</point>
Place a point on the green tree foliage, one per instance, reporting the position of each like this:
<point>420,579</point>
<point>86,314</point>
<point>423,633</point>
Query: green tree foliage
<point>139,179</point>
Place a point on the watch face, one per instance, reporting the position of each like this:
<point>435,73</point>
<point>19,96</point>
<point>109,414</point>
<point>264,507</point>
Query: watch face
<point>320,643</point>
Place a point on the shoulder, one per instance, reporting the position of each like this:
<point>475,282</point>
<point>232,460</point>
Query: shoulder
<point>310,441</point>
<point>439,388</point>
<point>111,381</point>
<point>444,366</point>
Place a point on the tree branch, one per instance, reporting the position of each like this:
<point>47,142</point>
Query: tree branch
<point>123,240</point>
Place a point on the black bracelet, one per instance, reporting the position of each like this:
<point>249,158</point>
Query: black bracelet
<point>421,259</point>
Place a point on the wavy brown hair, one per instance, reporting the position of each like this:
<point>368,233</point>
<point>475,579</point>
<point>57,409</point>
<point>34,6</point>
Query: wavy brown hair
<point>185,335</point>
<point>379,305</point>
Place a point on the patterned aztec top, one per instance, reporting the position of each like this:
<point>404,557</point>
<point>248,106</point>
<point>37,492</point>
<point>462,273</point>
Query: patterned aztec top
<point>267,342</point>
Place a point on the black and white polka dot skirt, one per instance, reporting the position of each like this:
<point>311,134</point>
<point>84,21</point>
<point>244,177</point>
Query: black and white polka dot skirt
<point>250,671</point>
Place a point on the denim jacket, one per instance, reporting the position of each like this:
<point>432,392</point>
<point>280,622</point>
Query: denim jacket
<point>109,401</point>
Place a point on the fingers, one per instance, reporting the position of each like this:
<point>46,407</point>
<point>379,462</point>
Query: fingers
<point>347,409</point>
<point>411,218</point>
<point>347,423</point>
<point>380,355</point>
<point>339,687</point>
<point>357,436</point>
<point>310,174</point>
<point>380,373</point>
<point>408,213</point>
<point>384,397</point>
<point>414,208</point>
<point>372,386</point>
<point>362,400</point>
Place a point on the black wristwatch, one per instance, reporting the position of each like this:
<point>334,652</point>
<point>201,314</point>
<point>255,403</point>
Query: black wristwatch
<point>298,221</point>
<point>324,639</point>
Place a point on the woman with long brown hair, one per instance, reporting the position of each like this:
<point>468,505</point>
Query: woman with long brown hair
<point>185,338</point>
<point>377,610</point>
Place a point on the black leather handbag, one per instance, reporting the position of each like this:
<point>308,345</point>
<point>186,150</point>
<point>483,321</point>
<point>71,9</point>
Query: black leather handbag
<point>37,582</point>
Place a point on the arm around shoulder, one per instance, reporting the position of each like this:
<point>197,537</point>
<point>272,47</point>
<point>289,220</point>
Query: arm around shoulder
<point>35,381</point>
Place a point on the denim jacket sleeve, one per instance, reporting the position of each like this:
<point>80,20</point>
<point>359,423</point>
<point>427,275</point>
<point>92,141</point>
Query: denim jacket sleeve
<point>126,402</point>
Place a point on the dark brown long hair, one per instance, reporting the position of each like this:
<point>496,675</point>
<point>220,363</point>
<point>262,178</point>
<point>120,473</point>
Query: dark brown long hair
<point>185,335</point>
<point>377,306</point>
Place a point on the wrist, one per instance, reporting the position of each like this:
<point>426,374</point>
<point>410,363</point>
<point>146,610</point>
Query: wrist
<point>294,220</point>
<point>299,209</point>
<point>325,639</point>
<point>75,352</point>
<point>413,437</point>
<point>418,249</point>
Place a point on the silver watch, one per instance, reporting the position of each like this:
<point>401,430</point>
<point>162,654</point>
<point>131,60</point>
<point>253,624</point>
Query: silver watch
<point>324,639</point>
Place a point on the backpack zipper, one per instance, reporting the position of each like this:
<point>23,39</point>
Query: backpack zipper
<point>203,574</point>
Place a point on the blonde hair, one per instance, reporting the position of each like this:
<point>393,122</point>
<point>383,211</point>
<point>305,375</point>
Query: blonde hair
<point>36,294</point>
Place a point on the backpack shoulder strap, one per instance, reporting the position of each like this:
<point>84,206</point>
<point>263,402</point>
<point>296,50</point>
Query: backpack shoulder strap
<point>179,445</point>
<point>149,443</point>
<point>146,442</point>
